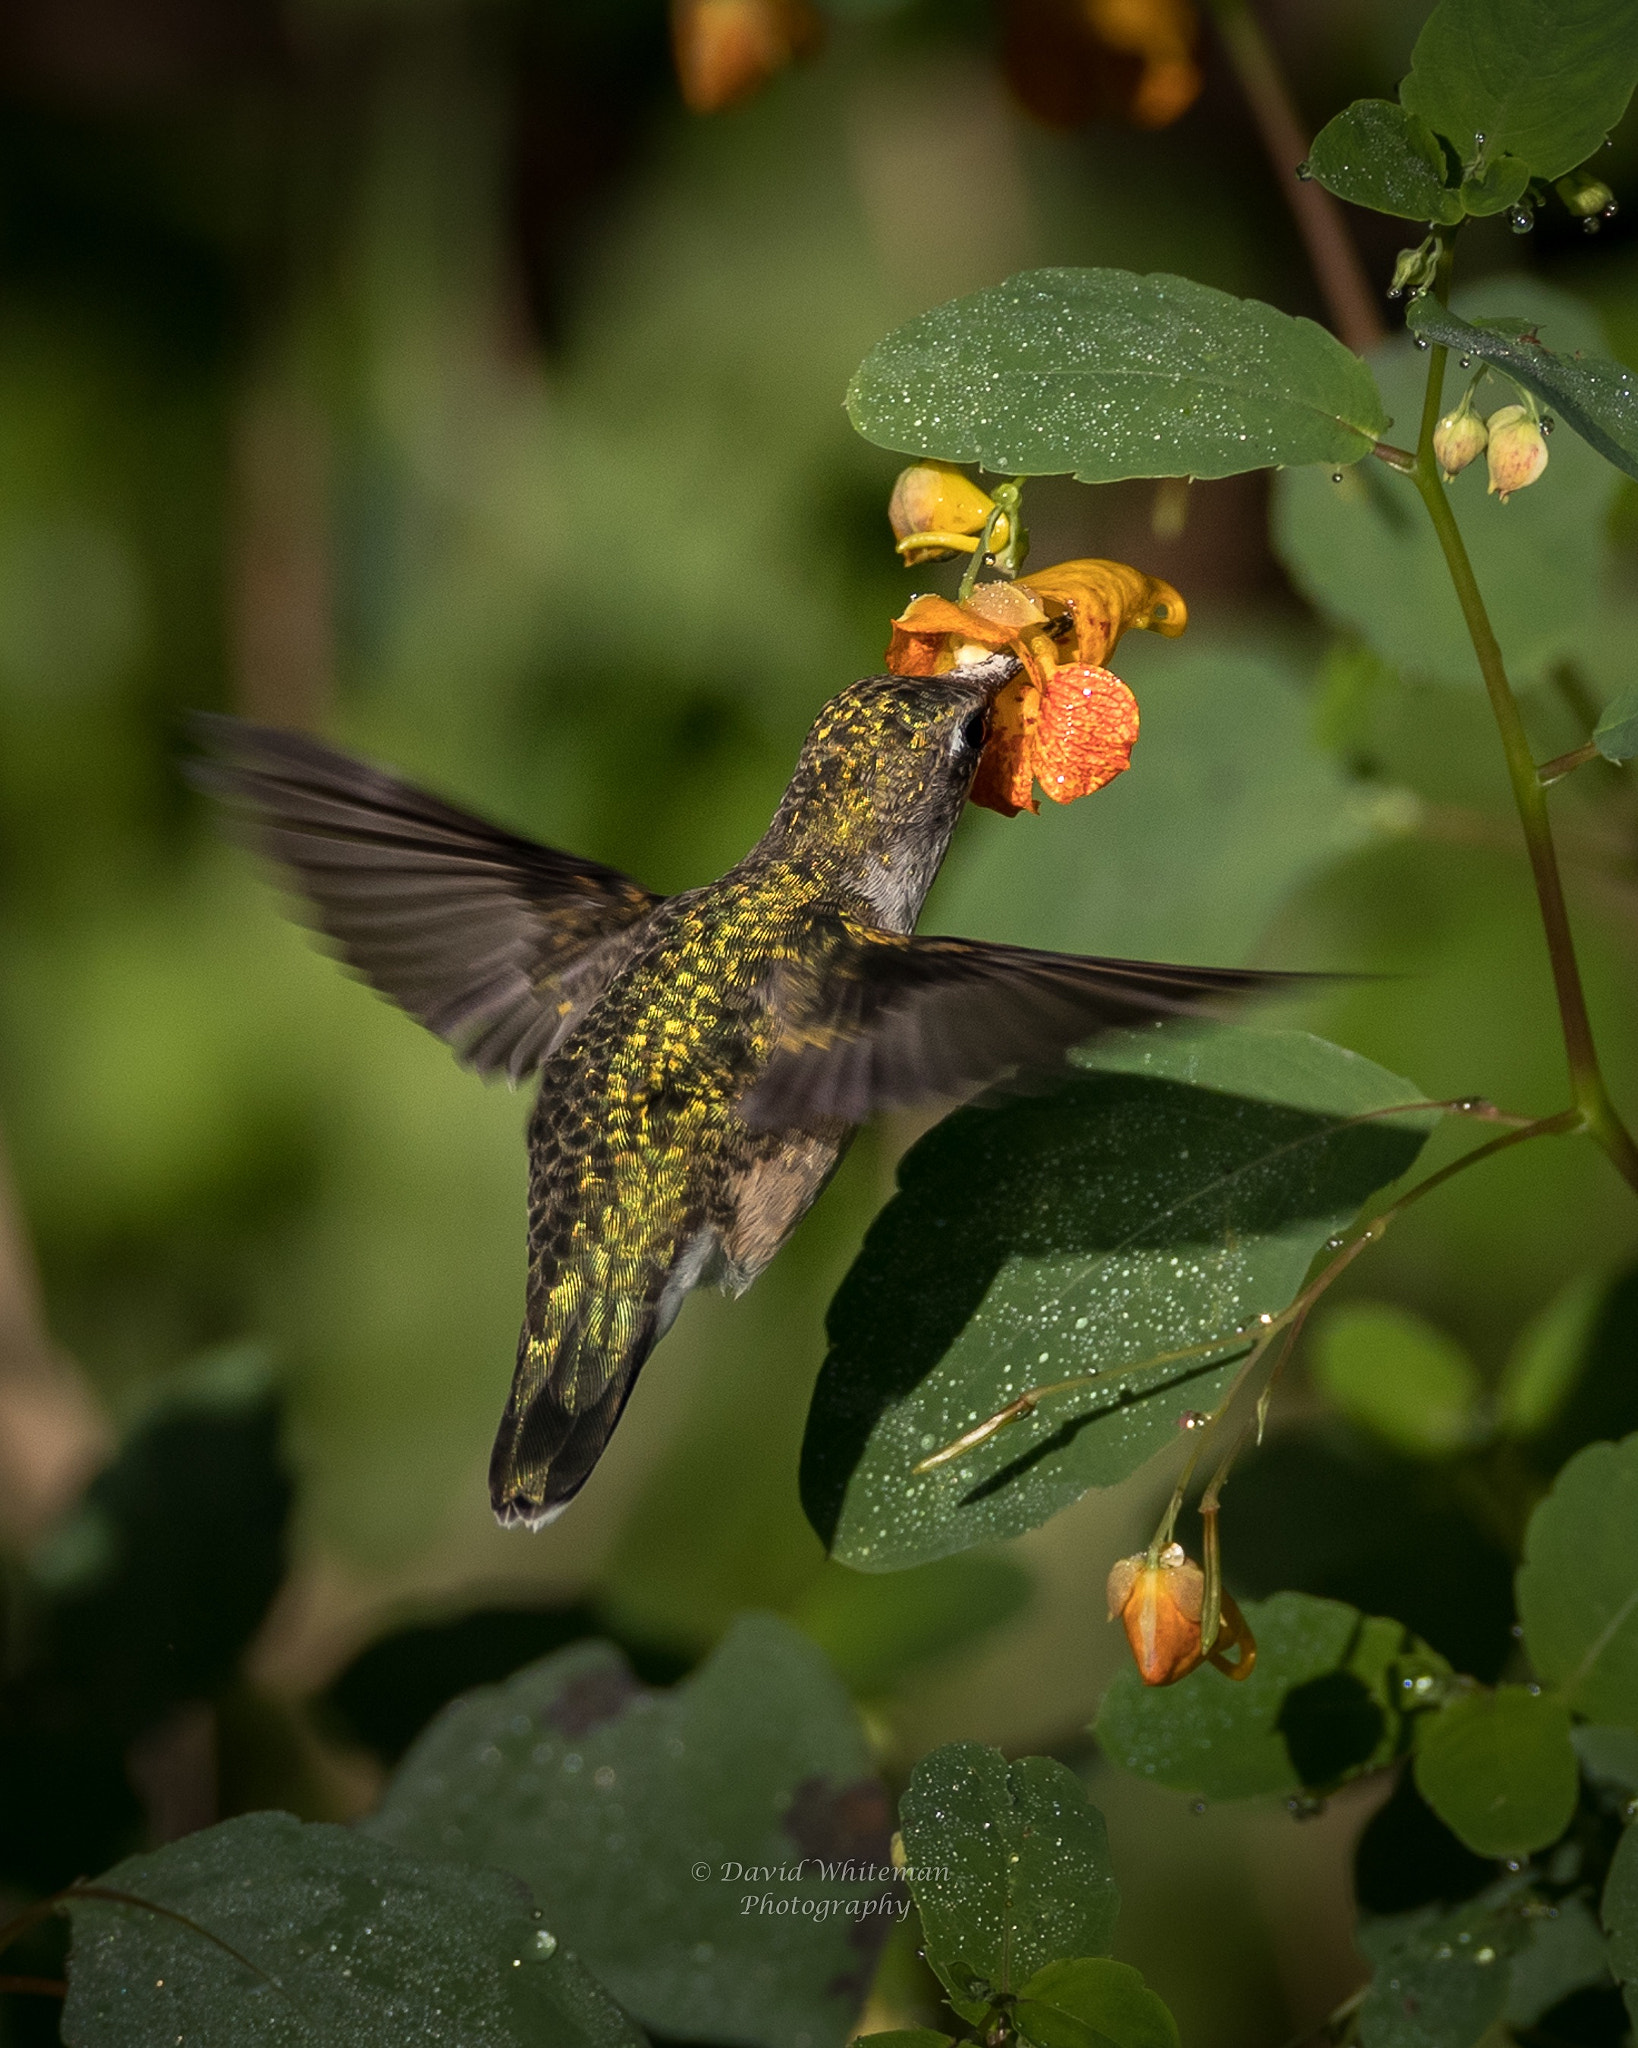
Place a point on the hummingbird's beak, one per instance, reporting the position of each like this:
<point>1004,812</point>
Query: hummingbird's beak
<point>990,673</point>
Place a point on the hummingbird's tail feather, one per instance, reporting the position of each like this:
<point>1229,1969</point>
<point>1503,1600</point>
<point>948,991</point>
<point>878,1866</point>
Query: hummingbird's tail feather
<point>579,1355</point>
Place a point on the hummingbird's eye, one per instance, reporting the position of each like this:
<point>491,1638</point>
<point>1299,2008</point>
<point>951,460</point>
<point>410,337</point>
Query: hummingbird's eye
<point>973,729</point>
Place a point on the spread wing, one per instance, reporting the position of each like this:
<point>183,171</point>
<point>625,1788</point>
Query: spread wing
<point>889,1021</point>
<point>496,944</point>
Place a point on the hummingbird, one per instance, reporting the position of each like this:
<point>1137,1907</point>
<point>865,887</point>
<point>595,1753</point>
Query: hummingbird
<point>703,1060</point>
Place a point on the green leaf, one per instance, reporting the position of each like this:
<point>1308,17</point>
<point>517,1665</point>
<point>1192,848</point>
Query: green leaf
<point>1544,80</point>
<point>1093,2003</point>
<point>1619,1912</point>
<point>702,1849</point>
<point>1009,1868</point>
<point>1170,1190</point>
<point>1609,1756</point>
<point>271,1934</point>
<point>1549,1356</point>
<point>1616,733</point>
<point>1597,395</point>
<point>1109,374</point>
<point>905,2037</point>
<point>1563,1953</point>
<point>1493,186</point>
<point>1231,808</point>
<point>1378,154</point>
<point>876,1628</point>
<point>1365,551</point>
<point>1397,1376</point>
<point>1441,1979</point>
<point>1323,1704</point>
<point>1577,1588</point>
<point>1498,1769</point>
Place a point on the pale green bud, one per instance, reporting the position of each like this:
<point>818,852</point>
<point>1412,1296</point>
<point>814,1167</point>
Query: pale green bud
<point>1517,453</point>
<point>1458,439</point>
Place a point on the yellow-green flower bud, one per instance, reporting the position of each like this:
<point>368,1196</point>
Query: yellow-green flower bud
<point>1584,195</point>
<point>1517,453</point>
<point>1414,270</point>
<point>935,511</point>
<point>1458,439</point>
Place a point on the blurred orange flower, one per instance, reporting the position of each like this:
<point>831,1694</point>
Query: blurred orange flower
<point>726,50</point>
<point>1159,1606</point>
<point>1132,60</point>
<point>1065,722</point>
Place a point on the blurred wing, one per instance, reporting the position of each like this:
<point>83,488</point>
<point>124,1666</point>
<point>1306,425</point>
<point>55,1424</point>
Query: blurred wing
<point>891,1021</point>
<point>496,944</point>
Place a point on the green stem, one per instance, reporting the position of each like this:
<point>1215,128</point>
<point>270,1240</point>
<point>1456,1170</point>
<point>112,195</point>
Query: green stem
<point>1587,1087</point>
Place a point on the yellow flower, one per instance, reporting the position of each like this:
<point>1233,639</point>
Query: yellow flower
<point>936,511</point>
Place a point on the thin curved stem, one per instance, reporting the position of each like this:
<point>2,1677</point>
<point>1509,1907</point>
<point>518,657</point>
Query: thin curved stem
<point>1587,1086</point>
<point>1257,1337</point>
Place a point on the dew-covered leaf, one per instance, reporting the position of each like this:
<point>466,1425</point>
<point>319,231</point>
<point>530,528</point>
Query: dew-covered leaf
<point>1109,374</point>
<point>1578,1586</point>
<point>1498,1769</point>
<point>267,1933</point>
<point>1379,154</point>
<point>717,1853</point>
<point>1541,80</point>
<point>1172,1188</point>
<point>1441,1979</point>
<point>1009,1868</point>
<point>1324,1703</point>
<point>1616,733</point>
<point>1365,552</point>
<point>1091,2002</point>
<point>1397,1376</point>
<point>1595,394</point>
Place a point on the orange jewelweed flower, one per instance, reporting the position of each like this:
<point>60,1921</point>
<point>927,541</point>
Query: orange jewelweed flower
<point>1066,722</point>
<point>727,50</point>
<point>1159,1607</point>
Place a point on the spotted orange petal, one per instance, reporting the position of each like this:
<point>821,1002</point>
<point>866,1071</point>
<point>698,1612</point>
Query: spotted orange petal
<point>1006,768</point>
<point>1086,731</point>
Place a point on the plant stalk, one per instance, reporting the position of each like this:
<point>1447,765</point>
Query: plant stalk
<point>1338,271</point>
<point>1587,1087</point>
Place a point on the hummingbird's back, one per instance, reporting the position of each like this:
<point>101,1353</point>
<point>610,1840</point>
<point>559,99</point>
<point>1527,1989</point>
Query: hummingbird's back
<point>644,1179</point>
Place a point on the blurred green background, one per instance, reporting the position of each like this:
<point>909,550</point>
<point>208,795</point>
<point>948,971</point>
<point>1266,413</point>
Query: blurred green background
<point>423,373</point>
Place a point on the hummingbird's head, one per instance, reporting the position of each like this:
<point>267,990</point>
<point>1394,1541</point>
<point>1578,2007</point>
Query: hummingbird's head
<point>882,778</point>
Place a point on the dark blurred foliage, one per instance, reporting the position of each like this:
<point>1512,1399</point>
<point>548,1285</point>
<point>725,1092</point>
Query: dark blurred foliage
<point>424,374</point>
<point>130,1619</point>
